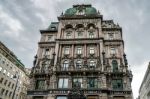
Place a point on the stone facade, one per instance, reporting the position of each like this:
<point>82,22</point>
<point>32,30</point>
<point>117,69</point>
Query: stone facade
<point>144,91</point>
<point>81,50</point>
<point>13,78</point>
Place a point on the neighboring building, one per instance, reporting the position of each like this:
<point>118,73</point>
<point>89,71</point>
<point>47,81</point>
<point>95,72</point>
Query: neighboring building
<point>13,79</point>
<point>81,56</point>
<point>144,91</point>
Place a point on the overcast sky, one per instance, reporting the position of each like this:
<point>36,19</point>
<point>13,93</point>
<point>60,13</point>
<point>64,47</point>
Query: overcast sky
<point>21,20</point>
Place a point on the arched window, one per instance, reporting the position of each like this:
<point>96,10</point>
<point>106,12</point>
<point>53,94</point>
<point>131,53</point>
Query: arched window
<point>91,35</point>
<point>115,65</point>
<point>92,64</point>
<point>68,35</point>
<point>65,65</point>
<point>78,64</point>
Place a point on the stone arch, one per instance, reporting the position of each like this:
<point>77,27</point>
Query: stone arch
<point>79,26</point>
<point>91,25</point>
<point>68,26</point>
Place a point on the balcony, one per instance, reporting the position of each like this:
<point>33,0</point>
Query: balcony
<point>85,91</point>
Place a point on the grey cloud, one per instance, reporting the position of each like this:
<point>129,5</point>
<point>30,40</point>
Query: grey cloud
<point>132,15</point>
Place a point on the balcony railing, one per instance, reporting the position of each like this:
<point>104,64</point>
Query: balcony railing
<point>85,91</point>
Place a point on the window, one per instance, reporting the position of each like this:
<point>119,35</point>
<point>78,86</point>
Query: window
<point>49,38</point>
<point>65,65</point>
<point>78,64</point>
<point>63,83</point>
<point>77,82</point>
<point>8,74</point>
<point>66,50</point>
<point>9,84</point>
<point>111,36</point>
<point>2,91</point>
<point>12,86</point>
<point>92,64</point>
<point>91,35</point>
<point>61,97</point>
<point>6,92</point>
<point>115,65</point>
<point>113,50</point>
<point>91,50</point>
<point>46,52</point>
<point>68,35</point>
<point>79,50</point>
<point>5,82</point>
<point>11,76</point>
<point>40,84</point>
<point>1,80</point>
<point>80,34</point>
<point>10,94</point>
<point>0,68</point>
<point>117,84</point>
<point>92,83</point>
<point>4,71</point>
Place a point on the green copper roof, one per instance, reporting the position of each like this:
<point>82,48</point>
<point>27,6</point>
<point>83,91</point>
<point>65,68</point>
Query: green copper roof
<point>90,10</point>
<point>71,11</point>
<point>86,9</point>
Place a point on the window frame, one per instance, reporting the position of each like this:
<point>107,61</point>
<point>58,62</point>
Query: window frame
<point>64,83</point>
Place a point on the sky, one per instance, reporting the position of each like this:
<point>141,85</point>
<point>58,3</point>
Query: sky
<point>21,20</point>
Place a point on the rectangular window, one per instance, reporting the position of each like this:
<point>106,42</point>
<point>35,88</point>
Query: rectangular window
<point>1,80</point>
<point>49,38</point>
<point>0,69</point>
<point>91,35</point>
<point>10,94</point>
<point>92,83</point>
<point>79,50</point>
<point>61,97</point>
<point>80,34</point>
<point>4,71</point>
<point>117,84</point>
<point>68,35</point>
<point>9,84</point>
<point>113,50</point>
<point>92,50</point>
<point>111,36</point>
<point>2,91</point>
<point>63,83</point>
<point>66,50</point>
<point>6,92</point>
<point>40,84</point>
<point>77,82</point>
<point>5,83</point>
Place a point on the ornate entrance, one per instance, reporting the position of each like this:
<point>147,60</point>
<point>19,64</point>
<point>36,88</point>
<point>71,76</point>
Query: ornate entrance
<point>76,92</point>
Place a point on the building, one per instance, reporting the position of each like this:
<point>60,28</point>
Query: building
<point>81,57</point>
<point>13,79</point>
<point>144,91</point>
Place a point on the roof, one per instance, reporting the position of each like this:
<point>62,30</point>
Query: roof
<point>81,10</point>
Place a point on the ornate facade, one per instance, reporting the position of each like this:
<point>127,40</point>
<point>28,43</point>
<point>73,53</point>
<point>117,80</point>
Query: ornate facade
<point>144,91</point>
<point>81,57</point>
<point>13,78</point>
